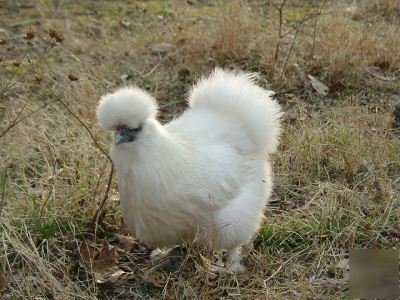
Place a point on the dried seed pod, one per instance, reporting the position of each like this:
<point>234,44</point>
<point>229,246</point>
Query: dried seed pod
<point>59,37</point>
<point>72,77</point>
<point>39,78</point>
<point>30,34</point>
<point>16,63</point>
<point>56,35</point>
<point>52,33</point>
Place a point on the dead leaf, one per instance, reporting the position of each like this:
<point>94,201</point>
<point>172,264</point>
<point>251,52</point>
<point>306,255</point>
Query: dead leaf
<point>125,24</point>
<point>106,257</point>
<point>337,86</point>
<point>118,276</point>
<point>129,243</point>
<point>184,71</point>
<point>87,254</point>
<point>123,228</point>
<point>154,279</point>
<point>376,72</point>
<point>292,98</point>
<point>318,86</point>
<point>108,226</point>
<point>384,65</point>
<point>97,260</point>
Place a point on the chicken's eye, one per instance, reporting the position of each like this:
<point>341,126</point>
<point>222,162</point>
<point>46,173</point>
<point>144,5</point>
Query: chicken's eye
<point>139,128</point>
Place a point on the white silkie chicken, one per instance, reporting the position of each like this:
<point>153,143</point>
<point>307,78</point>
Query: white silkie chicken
<point>205,175</point>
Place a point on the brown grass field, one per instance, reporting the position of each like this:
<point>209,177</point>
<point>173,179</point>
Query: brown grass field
<point>337,171</point>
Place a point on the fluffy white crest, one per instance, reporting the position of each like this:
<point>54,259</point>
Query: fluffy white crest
<point>127,106</point>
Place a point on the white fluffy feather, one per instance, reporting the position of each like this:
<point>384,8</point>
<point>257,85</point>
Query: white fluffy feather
<point>205,175</point>
<point>127,106</point>
<point>238,97</point>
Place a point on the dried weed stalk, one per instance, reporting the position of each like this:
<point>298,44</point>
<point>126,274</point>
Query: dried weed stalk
<point>40,86</point>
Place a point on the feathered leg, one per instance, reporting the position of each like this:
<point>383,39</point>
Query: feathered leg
<point>238,222</point>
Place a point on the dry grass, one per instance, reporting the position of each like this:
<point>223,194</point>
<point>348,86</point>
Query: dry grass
<point>337,183</point>
<point>375,10</point>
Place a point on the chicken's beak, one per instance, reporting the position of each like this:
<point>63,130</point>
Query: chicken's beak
<point>118,138</point>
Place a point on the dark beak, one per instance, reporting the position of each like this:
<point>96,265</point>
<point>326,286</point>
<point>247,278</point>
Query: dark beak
<point>119,138</point>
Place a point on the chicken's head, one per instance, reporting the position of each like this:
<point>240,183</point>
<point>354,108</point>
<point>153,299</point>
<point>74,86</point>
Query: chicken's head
<point>125,112</point>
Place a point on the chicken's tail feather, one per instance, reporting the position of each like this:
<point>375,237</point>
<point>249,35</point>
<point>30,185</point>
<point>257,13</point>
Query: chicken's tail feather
<point>248,103</point>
